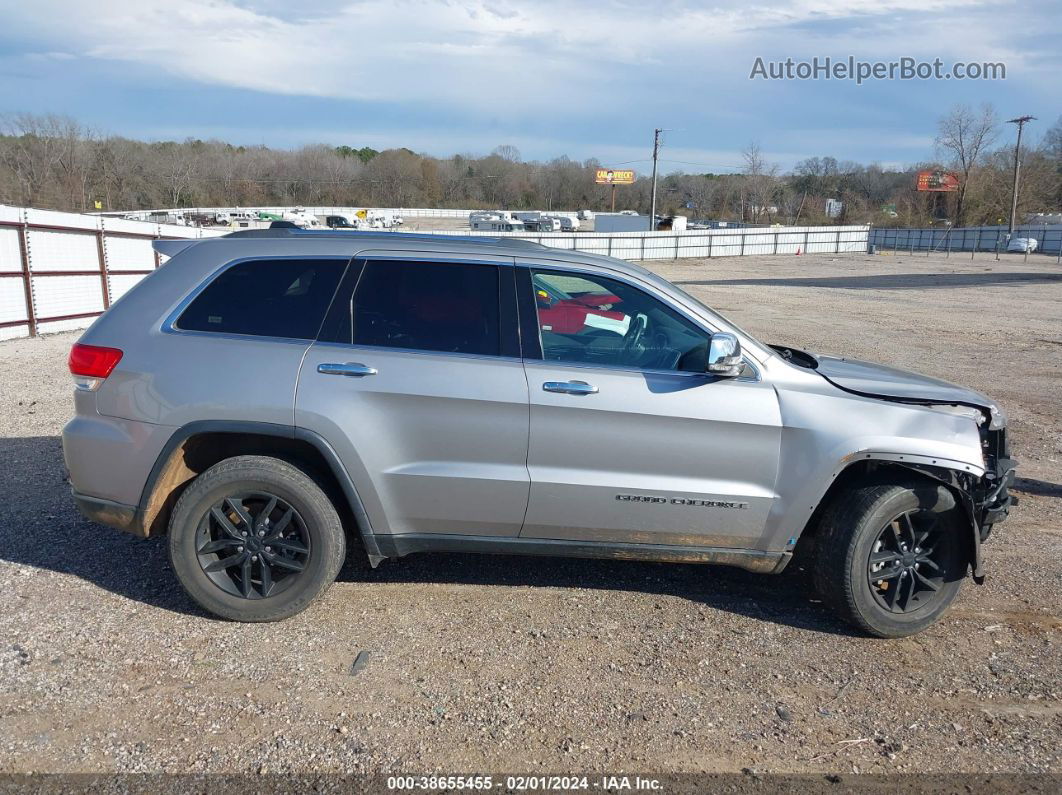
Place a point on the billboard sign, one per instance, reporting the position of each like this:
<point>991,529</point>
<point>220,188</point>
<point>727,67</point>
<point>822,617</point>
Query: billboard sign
<point>939,181</point>
<point>609,176</point>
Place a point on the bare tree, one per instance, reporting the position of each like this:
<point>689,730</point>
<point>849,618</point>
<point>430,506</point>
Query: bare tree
<point>761,182</point>
<point>965,135</point>
<point>34,152</point>
<point>177,166</point>
<point>52,161</point>
<point>507,152</point>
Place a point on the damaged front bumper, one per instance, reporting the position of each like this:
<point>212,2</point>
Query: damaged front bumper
<point>991,496</point>
<point>985,500</point>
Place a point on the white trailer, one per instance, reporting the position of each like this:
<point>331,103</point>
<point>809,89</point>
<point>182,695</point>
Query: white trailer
<point>497,225</point>
<point>565,222</point>
<point>621,222</point>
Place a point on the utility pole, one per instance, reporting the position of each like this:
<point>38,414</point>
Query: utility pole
<point>656,151</point>
<point>1020,121</point>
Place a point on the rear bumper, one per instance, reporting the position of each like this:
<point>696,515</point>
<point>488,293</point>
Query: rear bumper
<point>112,514</point>
<point>109,457</point>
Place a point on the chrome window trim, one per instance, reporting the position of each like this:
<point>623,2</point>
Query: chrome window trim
<point>169,323</point>
<point>440,257</point>
<point>418,351</point>
<point>756,378</point>
<point>532,265</point>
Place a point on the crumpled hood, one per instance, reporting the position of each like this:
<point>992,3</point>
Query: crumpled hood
<point>878,380</point>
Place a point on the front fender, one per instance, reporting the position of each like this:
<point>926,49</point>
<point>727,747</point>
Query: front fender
<point>824,434</point>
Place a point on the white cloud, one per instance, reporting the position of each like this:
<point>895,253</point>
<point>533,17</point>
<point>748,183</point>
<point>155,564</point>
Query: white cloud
<point>486,54</point>
<point>499,67</point>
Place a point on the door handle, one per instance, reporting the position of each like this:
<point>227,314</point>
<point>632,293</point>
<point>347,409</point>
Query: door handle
<point>570,387</point>
<point>353,369</point>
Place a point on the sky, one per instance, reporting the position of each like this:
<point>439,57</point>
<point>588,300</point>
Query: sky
<point>588,79</point>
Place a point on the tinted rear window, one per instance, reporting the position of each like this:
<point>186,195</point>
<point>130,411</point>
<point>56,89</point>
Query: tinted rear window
<point>267,298</point>
<point>426,306</point>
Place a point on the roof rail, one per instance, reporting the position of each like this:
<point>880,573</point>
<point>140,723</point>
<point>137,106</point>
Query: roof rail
<point>295,232</point>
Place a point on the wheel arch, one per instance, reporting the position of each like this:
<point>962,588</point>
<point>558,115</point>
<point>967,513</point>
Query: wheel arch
<point>900,470</point>
<point>195,447</point>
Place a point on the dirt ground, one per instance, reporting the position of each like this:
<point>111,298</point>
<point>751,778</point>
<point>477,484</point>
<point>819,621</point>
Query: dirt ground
<point>532,665</point>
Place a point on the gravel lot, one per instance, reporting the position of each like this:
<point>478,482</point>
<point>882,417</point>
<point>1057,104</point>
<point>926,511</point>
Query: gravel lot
<point>480,664</point>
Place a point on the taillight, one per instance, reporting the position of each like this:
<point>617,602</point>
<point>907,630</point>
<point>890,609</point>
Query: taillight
<point>91,364</point>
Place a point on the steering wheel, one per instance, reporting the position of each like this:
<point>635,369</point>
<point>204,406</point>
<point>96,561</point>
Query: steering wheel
<point>633,337</point>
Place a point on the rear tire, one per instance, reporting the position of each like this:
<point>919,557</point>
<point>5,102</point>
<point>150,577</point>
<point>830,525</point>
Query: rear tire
<point>890,558</point>
<point>254,538</point>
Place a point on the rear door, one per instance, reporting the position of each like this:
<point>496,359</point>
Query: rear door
<point>417,382</point>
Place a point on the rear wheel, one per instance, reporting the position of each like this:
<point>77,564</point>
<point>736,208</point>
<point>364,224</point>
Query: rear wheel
<point>255,539</point>
<point>890,558</point>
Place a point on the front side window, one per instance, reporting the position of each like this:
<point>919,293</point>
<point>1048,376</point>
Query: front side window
<point>426,306</point>
<point>266,298</point>
<point>594,320</point>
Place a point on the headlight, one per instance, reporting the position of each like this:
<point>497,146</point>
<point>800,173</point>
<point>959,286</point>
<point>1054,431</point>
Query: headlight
<point>999,419</point>
<point>969,412</point>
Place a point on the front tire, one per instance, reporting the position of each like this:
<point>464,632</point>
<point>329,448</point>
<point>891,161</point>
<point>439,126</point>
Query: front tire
<point>254,538</point>
<point>890,558</point>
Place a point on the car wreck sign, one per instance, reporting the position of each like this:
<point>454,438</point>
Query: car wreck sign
<point>608,176</point>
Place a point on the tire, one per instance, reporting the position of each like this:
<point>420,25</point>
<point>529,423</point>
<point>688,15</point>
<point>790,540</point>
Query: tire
<point>269,561</point>
<point>871,520</point>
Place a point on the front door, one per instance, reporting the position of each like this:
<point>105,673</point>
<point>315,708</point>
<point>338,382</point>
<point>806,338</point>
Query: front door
<point>631,441</point>
<point>416,381</point>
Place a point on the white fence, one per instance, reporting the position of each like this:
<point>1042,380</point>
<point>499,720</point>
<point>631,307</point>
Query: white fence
<point>58,271</point>
<point>698,243</point>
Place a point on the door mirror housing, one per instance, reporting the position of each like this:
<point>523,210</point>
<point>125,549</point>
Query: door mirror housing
<point>724,355</point>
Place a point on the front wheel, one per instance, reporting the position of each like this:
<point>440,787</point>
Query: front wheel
<point>890,558</point>
<point>255,539</point>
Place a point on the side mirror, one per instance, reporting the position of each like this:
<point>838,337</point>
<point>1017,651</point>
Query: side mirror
<point>724,355</point>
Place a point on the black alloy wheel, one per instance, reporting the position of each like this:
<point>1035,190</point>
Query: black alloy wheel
<point>253,545</point>
<point>906,567</point>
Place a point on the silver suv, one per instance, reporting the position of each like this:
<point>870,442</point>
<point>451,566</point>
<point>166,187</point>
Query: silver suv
<point>270,397</point>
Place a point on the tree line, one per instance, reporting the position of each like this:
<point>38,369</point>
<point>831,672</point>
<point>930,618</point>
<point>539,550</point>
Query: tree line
<point>52,161</point>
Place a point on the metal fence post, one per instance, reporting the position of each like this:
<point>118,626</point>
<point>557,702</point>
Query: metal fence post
<point>642,238</point>
<point>710,236</point>
<point>101,254</point>
<point>742,243</point>
<point>676,246</point>
<point>805,241</point>
<point>23,246</point>
<point>610,245</point>
<point>837,243</point>
<point>775,250</point>
<point>976,245</point>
